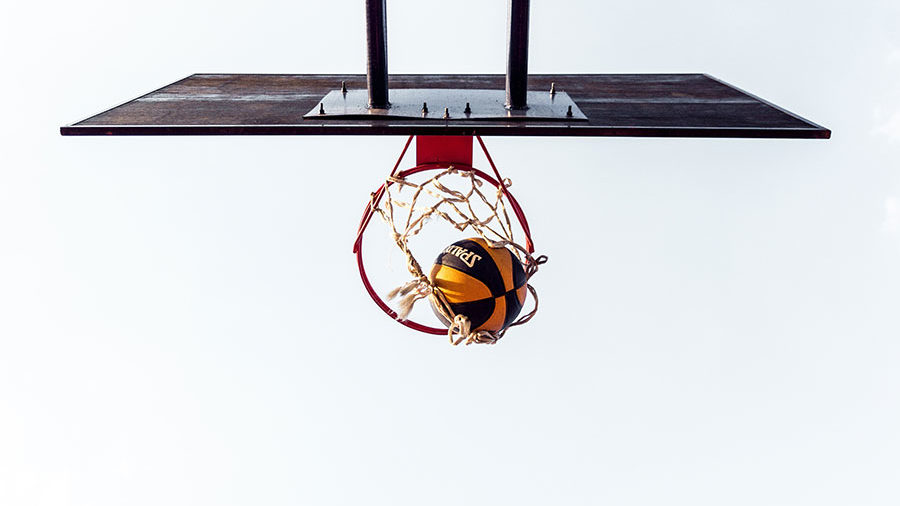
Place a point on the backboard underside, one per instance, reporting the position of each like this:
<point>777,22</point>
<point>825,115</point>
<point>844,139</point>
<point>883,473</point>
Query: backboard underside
<point>645,105</point>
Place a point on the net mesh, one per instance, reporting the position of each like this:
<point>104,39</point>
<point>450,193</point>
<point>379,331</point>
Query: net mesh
<point>454,195</point>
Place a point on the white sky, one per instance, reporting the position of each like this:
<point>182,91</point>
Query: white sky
<point>181,321</point>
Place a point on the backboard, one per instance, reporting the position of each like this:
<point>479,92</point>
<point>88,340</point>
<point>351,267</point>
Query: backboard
<point>643,105</point>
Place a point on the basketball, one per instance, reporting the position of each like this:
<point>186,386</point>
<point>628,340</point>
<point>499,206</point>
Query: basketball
<point>485,284</point>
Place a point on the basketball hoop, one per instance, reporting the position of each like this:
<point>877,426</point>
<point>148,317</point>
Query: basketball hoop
<point>458,209</point>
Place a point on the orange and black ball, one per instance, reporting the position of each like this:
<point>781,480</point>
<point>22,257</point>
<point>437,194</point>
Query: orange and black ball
<point>485,284</point>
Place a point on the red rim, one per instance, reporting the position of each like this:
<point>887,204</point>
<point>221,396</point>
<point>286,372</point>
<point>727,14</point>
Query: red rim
<point>369,212</point>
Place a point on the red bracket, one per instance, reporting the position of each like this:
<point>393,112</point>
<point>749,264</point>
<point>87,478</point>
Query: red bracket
<point>444,149</point>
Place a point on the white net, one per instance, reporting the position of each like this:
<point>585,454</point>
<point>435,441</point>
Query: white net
<point>457,197</point>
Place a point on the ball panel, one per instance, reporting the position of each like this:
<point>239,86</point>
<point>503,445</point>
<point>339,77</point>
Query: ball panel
<point>458,286</point>
<point>472,258</point>
<point>497,319</point>
<point>480,313</point>
<point>521,293</point>
<point>501,259</point>
<point>518,271</point>
<point>513,308</point>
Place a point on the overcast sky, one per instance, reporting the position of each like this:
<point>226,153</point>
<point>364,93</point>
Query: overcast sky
<point>182,323</point>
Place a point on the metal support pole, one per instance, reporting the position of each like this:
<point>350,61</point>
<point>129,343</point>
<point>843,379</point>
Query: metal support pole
<point>376,42</point>
<point>517,52</point>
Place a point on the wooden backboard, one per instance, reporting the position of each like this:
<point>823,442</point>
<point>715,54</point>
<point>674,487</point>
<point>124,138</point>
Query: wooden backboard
<point>644,105</point>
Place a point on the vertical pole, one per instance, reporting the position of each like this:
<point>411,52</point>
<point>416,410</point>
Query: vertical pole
<point>376,42</point>
<point>517,53</point>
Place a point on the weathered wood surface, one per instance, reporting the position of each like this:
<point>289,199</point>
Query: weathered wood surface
<point>646,105</point>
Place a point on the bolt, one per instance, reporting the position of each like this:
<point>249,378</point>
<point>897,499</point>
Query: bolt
<point>468,109</point>
<point>552,89</point>
<point>446,113</point>
<point>424,107</point>
<point>321,108</point>
<point>569,112</point>
<point>344,87</point>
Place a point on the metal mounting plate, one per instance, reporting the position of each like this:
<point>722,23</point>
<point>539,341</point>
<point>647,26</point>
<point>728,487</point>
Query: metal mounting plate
<point>407,103</point>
